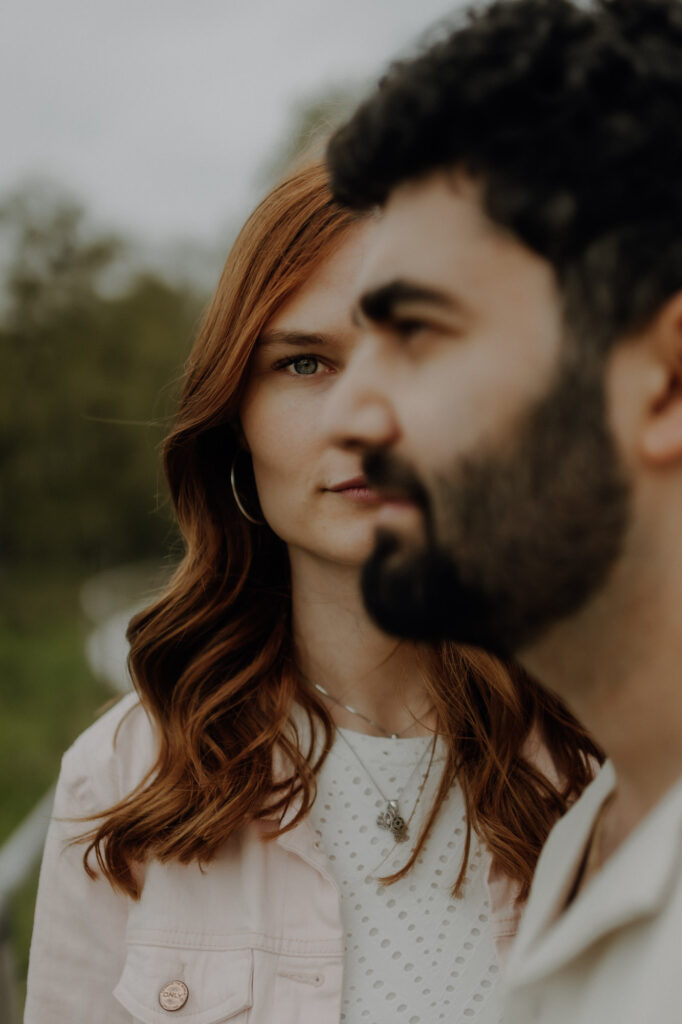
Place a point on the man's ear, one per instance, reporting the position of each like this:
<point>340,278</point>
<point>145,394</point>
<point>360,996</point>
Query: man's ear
<point>661,438</point>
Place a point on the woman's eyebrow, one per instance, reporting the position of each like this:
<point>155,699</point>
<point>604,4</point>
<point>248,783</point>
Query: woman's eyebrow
<point>299,338</point>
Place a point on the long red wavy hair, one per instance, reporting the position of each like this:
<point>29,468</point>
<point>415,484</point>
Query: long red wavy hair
<point>212,658</point>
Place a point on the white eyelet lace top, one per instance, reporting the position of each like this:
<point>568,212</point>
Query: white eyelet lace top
<point>413,953</point>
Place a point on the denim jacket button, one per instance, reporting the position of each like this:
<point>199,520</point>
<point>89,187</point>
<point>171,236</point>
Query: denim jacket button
<point>174,995</point>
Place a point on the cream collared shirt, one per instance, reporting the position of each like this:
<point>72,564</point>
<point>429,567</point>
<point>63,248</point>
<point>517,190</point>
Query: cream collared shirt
<point>614,955</point>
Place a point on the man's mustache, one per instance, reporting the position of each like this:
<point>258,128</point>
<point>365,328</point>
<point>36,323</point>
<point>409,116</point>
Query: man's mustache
<point>387,472</point>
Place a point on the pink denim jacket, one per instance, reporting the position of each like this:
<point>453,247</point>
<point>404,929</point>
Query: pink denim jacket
<point>255,936</point>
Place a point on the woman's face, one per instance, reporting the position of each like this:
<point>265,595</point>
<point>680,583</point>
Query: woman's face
<point>311,490</point>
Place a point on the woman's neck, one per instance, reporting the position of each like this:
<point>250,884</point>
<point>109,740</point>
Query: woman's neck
<point>339,648</point>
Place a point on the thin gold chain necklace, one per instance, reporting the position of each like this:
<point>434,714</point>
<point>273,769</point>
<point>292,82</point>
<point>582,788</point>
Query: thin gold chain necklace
<point>354,711</point>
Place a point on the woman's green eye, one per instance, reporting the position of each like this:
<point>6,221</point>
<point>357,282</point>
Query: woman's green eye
<point>305,366</point>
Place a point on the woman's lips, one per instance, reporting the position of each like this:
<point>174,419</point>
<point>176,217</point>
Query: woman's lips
<point>354,481</point>
<point>359,491</point>
<point>362,495</point>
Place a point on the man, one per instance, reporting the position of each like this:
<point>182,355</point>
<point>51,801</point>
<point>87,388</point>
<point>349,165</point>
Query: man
<point>518,397</point>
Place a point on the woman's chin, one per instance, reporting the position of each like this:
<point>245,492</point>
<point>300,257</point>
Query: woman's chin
<point>353,557</point>
<point>351,552</point>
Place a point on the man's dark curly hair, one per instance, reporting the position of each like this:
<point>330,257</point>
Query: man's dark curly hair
<point>571,118</point>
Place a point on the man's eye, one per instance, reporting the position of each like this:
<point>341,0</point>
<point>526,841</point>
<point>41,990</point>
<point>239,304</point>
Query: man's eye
<point>408,328</point>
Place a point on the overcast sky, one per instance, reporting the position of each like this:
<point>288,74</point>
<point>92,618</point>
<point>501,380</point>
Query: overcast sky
<point>159,115</point>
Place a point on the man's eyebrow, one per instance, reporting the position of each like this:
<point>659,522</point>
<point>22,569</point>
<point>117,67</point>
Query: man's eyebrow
<point>299,338</point>
<point>380,303</point>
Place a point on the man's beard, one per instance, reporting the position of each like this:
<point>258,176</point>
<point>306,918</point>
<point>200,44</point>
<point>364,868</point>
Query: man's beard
<point>514,539</point>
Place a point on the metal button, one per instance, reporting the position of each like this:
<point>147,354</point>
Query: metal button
<point>174,995</point>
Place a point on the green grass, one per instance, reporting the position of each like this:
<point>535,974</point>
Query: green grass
<point>47,697</point>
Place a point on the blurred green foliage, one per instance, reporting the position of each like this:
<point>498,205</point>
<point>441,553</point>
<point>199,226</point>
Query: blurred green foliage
<point>86,389</point>
<point>47,692</point>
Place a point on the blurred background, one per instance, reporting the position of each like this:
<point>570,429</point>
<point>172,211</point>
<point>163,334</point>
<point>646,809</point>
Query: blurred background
<point>136,138</point>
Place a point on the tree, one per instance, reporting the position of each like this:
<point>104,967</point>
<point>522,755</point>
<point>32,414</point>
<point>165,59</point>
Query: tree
<point>85,391</point>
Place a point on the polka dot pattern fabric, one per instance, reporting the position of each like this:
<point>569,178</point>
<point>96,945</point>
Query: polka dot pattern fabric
<point>414,955</point>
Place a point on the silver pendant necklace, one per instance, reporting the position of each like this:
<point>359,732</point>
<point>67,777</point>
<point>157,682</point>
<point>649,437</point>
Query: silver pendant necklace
<point>390,818</point>
<point>365,718</point>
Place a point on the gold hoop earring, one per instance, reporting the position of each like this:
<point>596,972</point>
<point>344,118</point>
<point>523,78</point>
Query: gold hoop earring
<point>237,499</point>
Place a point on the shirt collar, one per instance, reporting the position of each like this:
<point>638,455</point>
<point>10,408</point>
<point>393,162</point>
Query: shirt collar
<point>632,884</point>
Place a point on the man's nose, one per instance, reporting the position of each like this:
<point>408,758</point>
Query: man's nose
<point>360,413</point>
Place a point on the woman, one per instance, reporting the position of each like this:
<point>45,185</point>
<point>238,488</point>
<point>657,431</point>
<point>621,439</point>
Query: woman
<point>300,818</point>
